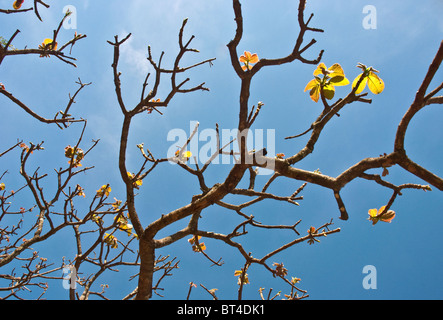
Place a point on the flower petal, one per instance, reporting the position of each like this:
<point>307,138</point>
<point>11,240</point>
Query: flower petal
<point>253,58</point>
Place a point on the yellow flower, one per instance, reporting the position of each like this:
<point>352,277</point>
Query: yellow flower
<point>70,152</point>
<point>80,191</point>
<point>185,155</point>
<point>239,273</point>
<point>17,4</point>
<point>25,147</point>
<point>111,240</point>
<point>196,245</point>
<point>116,204</point>
<point>247,58</point>
<point>97,219</point>
<point>295,280</point>
<point>2,186</point>
<point>333,76</point>
<point>47,44</point>
<point>375,216</point>
<point>104,190</point>
<point>137,183</point>
<point>122,224</point>
<point>375,84</point>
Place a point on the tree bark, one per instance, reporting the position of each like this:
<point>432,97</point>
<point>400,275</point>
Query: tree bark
<point>147,264</point>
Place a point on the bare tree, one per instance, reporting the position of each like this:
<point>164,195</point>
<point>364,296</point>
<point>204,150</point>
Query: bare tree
<point>95,230</point>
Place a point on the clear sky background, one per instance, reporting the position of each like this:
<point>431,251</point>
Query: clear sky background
<point>407,253</point>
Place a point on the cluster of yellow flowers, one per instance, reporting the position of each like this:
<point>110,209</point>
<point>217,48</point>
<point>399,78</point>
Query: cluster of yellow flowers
<point>104,190</point>
<point>122,222</point>
<point>136,182</point>
<point>75,154</point>
<point>111,240</point>
<point>197,246</point>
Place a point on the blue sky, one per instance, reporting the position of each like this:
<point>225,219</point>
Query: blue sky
<point>407,253</point>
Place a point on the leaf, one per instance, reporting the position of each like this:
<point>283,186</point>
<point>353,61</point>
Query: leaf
<point>329,92</point>
<point>375,84</point>
<point>111,240</point>
<point>362,85</point>
<point>321,69</point>
<point>336,70</point>
<point>17,4</point>
<point>315,93</point>
<point>333,76</point>
<point>339,81</point>
<point>372,212</point>
<point>376,216</point>
<point>312,84</point>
